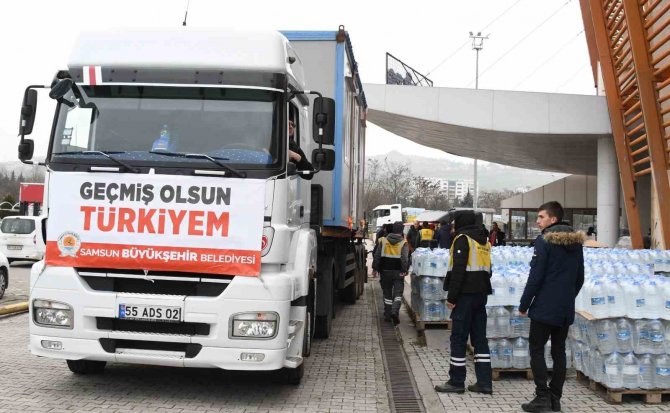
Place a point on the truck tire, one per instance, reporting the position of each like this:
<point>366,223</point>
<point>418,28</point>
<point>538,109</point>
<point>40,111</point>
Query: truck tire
<point>350,293</point>
<point>4,281</point>
<point>86,366</point>
<point>294,376</point>
<point>324,322</point>
<point>309,320</point>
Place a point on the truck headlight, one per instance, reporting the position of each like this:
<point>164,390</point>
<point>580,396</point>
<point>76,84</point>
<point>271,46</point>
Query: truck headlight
<point>254,325</point>
<point>49,313</point>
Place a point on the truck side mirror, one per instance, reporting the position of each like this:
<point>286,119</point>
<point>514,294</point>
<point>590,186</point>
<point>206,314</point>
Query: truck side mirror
<point>325,158</point>
<point>61,88</point>
<point>324,121</point>
<point>26,149</point>
<point>28,110</point>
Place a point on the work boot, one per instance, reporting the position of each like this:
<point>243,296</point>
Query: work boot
<point>449,388</point>
<point>541,402</point>
<point>477,388</point>
<point>555,403</point>
<point>396,319</point>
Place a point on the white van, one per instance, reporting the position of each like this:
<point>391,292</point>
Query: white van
<point>21,238</point>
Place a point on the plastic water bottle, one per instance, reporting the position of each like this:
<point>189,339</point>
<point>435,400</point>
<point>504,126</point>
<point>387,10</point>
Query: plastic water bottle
<point>548,359</point>
<point>586,360</point>
<point>635,300</point>
<point>502,321</point>
<point>494,350</point>
<point>631,371</point>
<point>597,366</point>
<point>614,371</point>
<point>662,371</point>
<point>665,299</point>
<point>505,353</point>
<point>162,143</point>
<point>656,334</point>
<point>490,323</point>
<point>520,355</point>
<point>500,290</point>
<point>647,371</point>
<point>624,336</point>
<point>598,300</point>
<point>516,322</point>
<point>578,355</point>
<point>606,336</point>
<point>667,337</point>
<point>615,298</point>
<point>652,299</point>
<point>434,310</point>
<point>641,337</point>
<point>568,355</point>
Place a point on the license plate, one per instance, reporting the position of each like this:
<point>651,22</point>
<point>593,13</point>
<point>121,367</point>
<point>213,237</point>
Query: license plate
<point>150,313</point>
<point>14,247</point>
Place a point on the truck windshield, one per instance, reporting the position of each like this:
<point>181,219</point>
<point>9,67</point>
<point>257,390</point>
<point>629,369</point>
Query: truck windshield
<point>233,125</point>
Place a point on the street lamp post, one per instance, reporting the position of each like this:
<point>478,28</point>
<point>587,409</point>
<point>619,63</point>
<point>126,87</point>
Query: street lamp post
<point>477,45</point>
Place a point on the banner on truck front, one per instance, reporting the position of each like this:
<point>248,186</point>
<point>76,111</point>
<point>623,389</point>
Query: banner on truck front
<point>155,222</point>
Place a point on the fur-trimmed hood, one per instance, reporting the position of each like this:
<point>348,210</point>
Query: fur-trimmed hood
<point>564,235</point>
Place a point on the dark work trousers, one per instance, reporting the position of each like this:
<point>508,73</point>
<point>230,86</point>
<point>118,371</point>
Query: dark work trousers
<point>392,286</point>
<point>469,319</point>
<point>539,334</point>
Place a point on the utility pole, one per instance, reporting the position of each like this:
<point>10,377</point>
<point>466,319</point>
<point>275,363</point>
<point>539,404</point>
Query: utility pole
<point>477,45</point>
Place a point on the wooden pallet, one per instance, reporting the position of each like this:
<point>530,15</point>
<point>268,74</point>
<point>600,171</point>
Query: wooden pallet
<point>615,396</point>
<point>422,325</point>
<point>496,373</point>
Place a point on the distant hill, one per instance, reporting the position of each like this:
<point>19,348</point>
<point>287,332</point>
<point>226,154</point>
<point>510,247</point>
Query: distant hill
<point>491,176</point>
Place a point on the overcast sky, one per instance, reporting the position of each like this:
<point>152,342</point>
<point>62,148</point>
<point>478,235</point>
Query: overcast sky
<point>534,45</point>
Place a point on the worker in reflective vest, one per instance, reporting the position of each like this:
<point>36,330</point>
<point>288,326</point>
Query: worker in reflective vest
<point>391,260</point>
<point>468,282</point>
<point>426,236</point>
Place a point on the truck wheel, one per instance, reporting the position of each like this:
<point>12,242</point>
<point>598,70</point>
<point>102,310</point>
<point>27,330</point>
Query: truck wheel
<point>86,366</point>
<point>294,376</point>
<point>324,323</point>
<point>309,320</point>
<point>350,292</point>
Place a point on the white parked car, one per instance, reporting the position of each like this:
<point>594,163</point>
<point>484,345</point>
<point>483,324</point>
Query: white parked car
<point>21,238</point>
<point>4,274</point>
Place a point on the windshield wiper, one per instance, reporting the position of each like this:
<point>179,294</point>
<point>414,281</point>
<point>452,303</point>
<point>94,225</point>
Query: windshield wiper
<point>105,154</point>
<point>215,160</point>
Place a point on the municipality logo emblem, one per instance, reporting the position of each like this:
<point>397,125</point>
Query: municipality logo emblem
<point>68,244</point>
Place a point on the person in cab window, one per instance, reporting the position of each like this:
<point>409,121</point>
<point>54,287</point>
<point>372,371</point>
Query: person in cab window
<point>295,153</point>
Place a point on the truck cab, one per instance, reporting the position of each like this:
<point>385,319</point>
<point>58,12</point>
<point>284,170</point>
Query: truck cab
<point>179,233</point>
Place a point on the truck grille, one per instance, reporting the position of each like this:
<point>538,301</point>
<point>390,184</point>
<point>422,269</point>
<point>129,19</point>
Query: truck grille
<point>138,326</point>
<point>163,283</point>
<point>190,350</point>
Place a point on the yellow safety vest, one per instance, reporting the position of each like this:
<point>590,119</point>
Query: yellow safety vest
<point>391,250</point>
<point>479,258</point>
<point>426,234</point>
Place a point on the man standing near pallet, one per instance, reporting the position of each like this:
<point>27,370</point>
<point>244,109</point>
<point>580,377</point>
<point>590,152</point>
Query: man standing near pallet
<point>391,260</point>
<point>556,276</point>
<point>469,283</point>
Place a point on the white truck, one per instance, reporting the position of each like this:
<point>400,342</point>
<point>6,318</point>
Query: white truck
<point>178,232</point>
<point>386,214</point>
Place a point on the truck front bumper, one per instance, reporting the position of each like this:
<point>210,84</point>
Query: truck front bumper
<point>97,335</point>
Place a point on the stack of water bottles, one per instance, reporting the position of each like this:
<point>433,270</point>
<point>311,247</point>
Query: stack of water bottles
<point>506,329</point>
<point>625,342</point>
<point>429,267</point>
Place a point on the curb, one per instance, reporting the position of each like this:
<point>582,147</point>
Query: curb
<point>14,308</point>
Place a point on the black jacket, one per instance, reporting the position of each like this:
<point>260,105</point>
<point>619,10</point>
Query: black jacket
<point>556,276</point>
<point>303,164</point>
<point>458,280</point>
<point>413,237</point>
<point>380,263</point>
<point>500,238</point>
<point>443,236</point>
